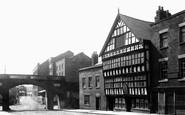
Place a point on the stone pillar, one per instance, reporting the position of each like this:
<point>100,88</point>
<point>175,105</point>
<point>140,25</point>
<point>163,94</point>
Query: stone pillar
<point>5,100</point>
<point>50,97</point>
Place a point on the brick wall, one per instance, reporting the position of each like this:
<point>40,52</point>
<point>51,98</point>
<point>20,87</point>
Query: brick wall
<point>92,91</point>
<point>174,48</point>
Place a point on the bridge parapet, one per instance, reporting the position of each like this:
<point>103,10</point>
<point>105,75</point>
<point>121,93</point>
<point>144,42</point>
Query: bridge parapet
<point>39,77</point>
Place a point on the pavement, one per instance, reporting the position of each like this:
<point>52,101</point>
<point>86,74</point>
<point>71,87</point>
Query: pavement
<point>101,112</point>
<point>29,106</point>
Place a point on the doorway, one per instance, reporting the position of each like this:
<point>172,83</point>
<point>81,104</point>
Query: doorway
<point>97,103</point>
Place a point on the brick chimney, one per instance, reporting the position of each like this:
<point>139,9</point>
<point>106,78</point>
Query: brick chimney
<point>161,14</point>
<point>94,58</point>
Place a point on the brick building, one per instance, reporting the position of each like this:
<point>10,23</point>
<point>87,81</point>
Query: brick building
<point>168,60</point>
<point>92,95</point>
<point>66,64</point>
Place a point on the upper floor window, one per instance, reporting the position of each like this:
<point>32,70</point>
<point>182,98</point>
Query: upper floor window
<point>111,45</point>
<point>182,67</point>
<point>97,81</point>
<point>182,34</point>
<point>90,82</point>
<point>164,40</point>
<point>163,70</point>
<point>59,67</point>
<point>83,83</point>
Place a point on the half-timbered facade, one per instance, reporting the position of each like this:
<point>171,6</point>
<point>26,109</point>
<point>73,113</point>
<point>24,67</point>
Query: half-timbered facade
<point>125,58</point>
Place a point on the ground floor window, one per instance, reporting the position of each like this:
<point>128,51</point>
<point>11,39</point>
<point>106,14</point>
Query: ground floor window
<point>87,100</point>
<point>180,101</point>
<point>140,103</point>
<point>119,103</point>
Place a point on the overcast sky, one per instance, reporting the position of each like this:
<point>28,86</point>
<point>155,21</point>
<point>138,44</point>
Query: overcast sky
<point>31,31</point>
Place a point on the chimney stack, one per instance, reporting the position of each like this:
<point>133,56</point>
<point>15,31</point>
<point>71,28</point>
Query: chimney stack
<point>161,14</point>
<point>94,58</point>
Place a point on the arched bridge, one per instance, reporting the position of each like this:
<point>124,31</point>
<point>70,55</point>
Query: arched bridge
<point>52,84</point>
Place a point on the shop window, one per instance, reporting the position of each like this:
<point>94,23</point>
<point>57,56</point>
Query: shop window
<point>182,67</point>
<point>180,101</point>
<point>87,100</point>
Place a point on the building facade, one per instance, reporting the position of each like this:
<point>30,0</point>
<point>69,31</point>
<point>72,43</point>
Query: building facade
<point>126,67</point>
<point>92,95</point>
<point>168,38</point>
<point>66,64</point>
<point>143,64</point>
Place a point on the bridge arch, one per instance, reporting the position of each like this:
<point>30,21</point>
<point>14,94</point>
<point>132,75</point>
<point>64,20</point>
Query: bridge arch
<point>52,84</point>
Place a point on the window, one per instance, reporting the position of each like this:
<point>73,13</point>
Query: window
<point>97,81</point>
<point>111,45</point>
<point>90,82</point>
<point>163,69</point>
<point>163,40</point>
<point>83,83</point>
<point>59,67</point>
<point>182,67</point>
<point>87,100</point>
<point>119,103</point>
<point>182,34</point>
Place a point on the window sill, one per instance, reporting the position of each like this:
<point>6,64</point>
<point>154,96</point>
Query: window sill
<point>181,43</point>
<point>97,87</point>
<point>163,48</point>
<point>90,87</point>
<point>163,80</point>
<point>181,79</point>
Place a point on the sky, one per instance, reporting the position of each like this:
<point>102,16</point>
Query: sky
<point>31,31</point>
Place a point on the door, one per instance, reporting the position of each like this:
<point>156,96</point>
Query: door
<point>97,103</point>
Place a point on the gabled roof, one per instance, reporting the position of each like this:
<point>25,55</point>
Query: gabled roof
<point>141,29</point>
<point>62,56</point>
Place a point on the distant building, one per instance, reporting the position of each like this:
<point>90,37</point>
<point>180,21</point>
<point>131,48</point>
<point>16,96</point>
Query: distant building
<point>68,65</point>
<point>92,95</point>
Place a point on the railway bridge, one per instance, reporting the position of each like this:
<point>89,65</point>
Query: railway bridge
<point>54,85</point>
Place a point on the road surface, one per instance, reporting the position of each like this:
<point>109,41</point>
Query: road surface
<point>28,103</point>
<point>29,106</point>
